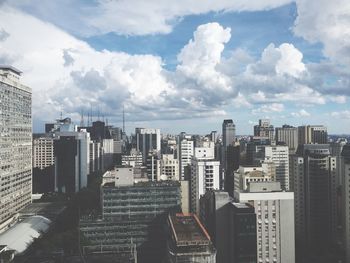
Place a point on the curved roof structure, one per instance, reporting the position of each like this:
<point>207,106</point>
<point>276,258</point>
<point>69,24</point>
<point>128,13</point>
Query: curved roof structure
<point>21,235</point>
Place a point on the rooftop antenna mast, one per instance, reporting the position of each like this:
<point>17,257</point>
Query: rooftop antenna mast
<point>82,124</point>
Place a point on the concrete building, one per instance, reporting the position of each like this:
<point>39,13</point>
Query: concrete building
<point>289,135</point>
<point>345,204</point>
<point>43,164</point>
<point>228,133</point>
<point>232,227</point>
<point>312,134</point>
<point>169,167</point>
<point>188,241</point>
<point>264,129</point>
<point>147,140</point>
<point>15,144</point>
<point>153,166</point>
<point>314,172</point>
<point>279,155</point>
<point>274,222</point>
<point>251,174</point>
<point>133,213</point>
<point>185,154</point>
<point>134,159</point>
<point>72,157</point>
<point>242,233</point>
<point>205,176</point>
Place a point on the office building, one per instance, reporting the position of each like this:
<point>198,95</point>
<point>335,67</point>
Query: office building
<point>279,155</point>
<point>147,140</point>
<point>274,222</point>
<point>185,153</point>
<point>43,164</point>
<point>264,129</point>
<point>188,241</point>
<point>232,227</point>
<point>289,135</point>
<point>15,143</point>
<point>228,133</point>
<point>345,204</point>
<point>248,174</point>
<point>134,159</point>
<point>133,213</point>
<point>169,167</point>
<point>312,134</point>
<point>242,233</point>
<point>205,176</point>
<point>153,166</point>
<point>314,173</point>
<point>72,157</point>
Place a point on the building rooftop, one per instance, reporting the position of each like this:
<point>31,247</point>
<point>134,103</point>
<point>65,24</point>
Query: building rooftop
<point>11,68</point>
<point>187,230</point>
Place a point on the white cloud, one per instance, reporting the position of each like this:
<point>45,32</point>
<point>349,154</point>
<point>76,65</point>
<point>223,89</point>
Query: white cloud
<point>301,113</point>
<point>341,114</point>
<point>269,108</point>
<point>327,22</point>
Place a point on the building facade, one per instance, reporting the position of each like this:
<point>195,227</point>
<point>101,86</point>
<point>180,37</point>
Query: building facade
<point>288,135</point>
<point>15,144</point>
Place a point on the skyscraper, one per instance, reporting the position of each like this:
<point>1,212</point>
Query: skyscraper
<point>345,175</point>
<point>264,129</point>
<point>311,134</point>
<point>147,140</point>
<point>314,172</point>
<point>274,222</point>
<point>15,143</point>
<point>185,153</point>
<point>228,133</point>
<point>288,135</point>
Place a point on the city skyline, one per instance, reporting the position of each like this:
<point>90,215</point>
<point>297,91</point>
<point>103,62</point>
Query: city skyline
<point>193,64</point>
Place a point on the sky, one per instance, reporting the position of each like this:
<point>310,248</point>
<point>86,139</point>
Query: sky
<point>182,65</point>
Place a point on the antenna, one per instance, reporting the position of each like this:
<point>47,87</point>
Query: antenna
<point>82,124</point>
<point>61,115</point>
<point>88,122</point>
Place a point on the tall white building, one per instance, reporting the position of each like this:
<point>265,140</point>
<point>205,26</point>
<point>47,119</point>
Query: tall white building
<point>275,221</point>
<point>147,140</point>
<point>185,154</point>
<point>279,155</point>
<point>205,176</point>
<point>15,144</point>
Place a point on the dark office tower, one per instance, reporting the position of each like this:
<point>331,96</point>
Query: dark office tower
<point>288,135</point>
<point>314,172</point>
<point>214,215</point>
<point>116,133</point>
<point>345,204</point>
<point>72,156</point>
<point>15,144</point>
<point>147,140</point>
<point>228,133</point>
<point>242,233</point>
<point>232,164</point>
<point>264,129</point>
<point>312,134</point>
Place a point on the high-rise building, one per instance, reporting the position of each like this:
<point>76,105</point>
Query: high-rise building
<point>274,222</point>
<point>72,157</point>
<point>185,153</point>
<point>147,140</point>
<point>279,155</point>
<point>228,133</point>
<point>345,175</point>
<point>314,172</point>
<point>264,129</point>
<point>188,241</point>
<point>43,164</point>
<point>15,144</point>
<point>288,135</point>
<point>205,176</point>
<point>232,227</point>
<point>248,174</point>
<point>312,134</point>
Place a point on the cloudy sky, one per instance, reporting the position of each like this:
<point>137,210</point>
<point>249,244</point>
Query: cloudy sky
<point>183,65</point>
